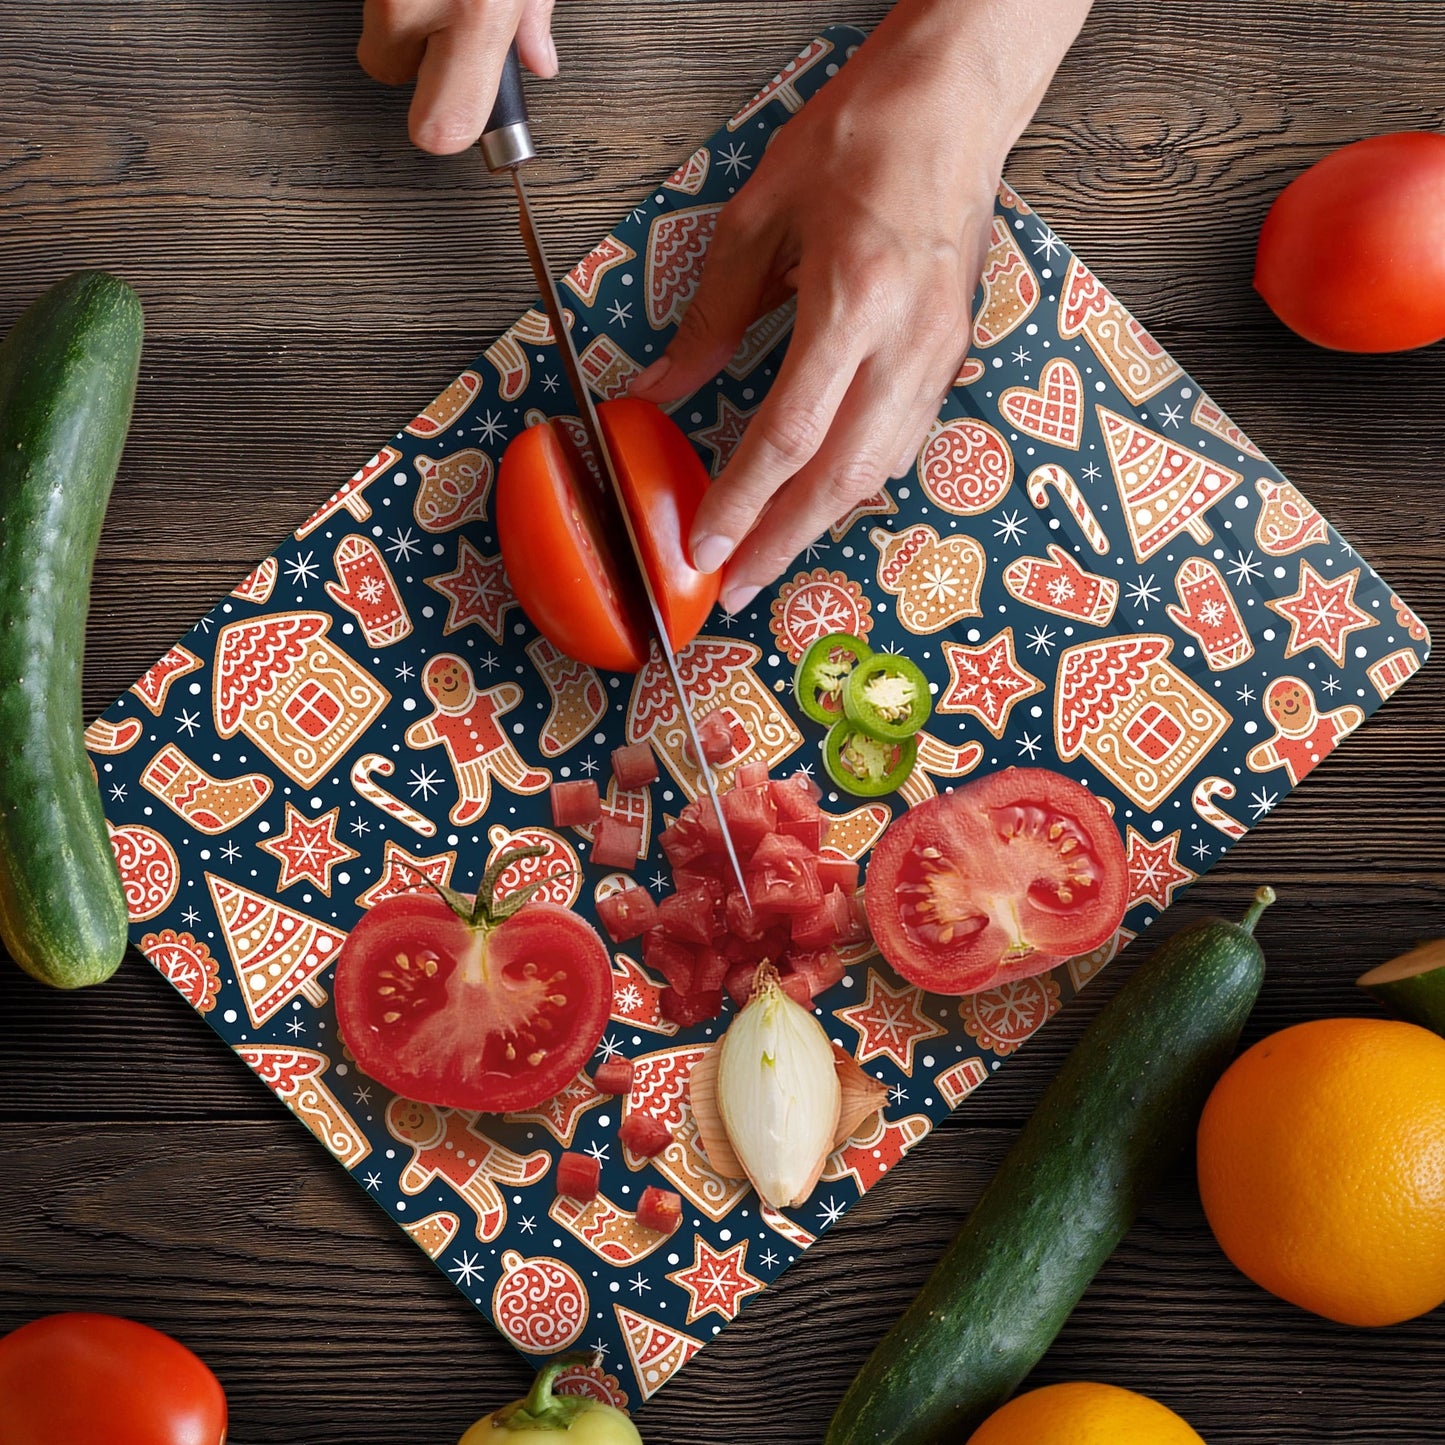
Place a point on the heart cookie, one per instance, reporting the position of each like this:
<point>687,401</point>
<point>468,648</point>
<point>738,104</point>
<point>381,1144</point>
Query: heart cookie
<point>1052,412</point>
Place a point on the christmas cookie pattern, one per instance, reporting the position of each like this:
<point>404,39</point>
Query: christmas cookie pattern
<point>1093,567</point>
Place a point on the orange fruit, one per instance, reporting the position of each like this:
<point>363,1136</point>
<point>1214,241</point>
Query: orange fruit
<point>1083,1414</point>
<point>1322,1168</point>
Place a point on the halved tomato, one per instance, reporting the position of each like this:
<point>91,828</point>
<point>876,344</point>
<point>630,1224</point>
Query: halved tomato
<point>479,1015</point>
<point>1002,878</point>
<point>566,556</point>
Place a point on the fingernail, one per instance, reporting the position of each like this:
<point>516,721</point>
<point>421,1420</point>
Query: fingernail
<point>552,55</point>
<point>711,552</point>
<point>646,380</point>
<point>736,598</point>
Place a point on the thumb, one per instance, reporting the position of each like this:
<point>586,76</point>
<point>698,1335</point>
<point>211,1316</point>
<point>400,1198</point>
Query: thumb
<point>736,281</point>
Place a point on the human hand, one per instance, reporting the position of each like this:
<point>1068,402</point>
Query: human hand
<point>874,206</point>
<point>454,50</point>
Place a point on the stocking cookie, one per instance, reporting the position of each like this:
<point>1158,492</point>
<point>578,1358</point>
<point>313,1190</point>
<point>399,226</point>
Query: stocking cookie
<point>1010,288</point>
<point>1303,735</point>
<point>210,805</point>
<point>578,701</point>
<point>464,722</point>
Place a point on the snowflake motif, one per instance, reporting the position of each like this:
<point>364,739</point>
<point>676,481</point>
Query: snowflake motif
<point>942,582</point>
<point>372,1180</point>
<point>639,1283</point>
<point>821,609</point>
<point>1244,569</point>
<point>295,1027</point>
<point>1213,612</point>
<point>402,545</point>
<point>814,550</point>
<point>1015,1011</point>
<point>897,1094</point>
<point>362,1096</point>
<point>467,1268</point>
<point>230,852</point>
<point>620,312</point>
<point>831,1212</point>
<point>1331,684</point>
<point>1031,746</point>
<point>629,998</point>
<point>1009,528</point>
<point>207,622</point>
<point>1261,802</point>
<point>659,881</point>
<point>372,590</point>
<point>767,1259</point>
<point>1041,639</point>
<point>302,570</point>
<point>599,1347</point>
<point>588,766</point>
<point>551,383</point>
<point>527,1224</point>
<point>735,160</point>
<point>190,918</point>
<point>1245,695</point>
<point>1021,357</point>
<point>1172,415</point>
<point>405,672</point>
<point>488,663</point>
<point>597,1151</point>
<point>1091,473</point>
<point>1201,849</point>
<point>490,428</point>
<point>1143,592</point>
<point>360,827</point>
<point>188,723</point>
<point>424,782</point>
<point>117,791</point>
<point>1046,243</point>
<point>609,1047</point>
<point>1060,590</point>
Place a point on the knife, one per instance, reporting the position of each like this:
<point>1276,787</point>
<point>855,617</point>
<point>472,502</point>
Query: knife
<point>507,146</point>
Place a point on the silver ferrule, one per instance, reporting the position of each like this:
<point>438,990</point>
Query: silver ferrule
<point>505,149</point>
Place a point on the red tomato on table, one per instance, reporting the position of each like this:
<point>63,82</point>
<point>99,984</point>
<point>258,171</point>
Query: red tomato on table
<point>1352,254</point>
<point>566,558</point>
<point>78,1379</point>
<point>1002,878</point>
<point>488,1017</point>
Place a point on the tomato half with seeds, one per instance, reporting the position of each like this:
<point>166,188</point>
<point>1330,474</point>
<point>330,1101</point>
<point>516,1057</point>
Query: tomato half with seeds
<point>566,553</point>
<point>476,1015</point>
<point>1000,879</point>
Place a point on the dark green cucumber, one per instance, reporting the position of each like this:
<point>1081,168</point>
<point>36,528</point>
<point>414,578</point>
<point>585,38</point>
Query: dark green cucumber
<point>1118,1114</point>
<point>67,380</point>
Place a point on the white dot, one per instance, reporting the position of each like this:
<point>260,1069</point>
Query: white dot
<point>229,1016</point>
<point>263,826</point>
<point>1251,727</point>
<point>1241,502</point>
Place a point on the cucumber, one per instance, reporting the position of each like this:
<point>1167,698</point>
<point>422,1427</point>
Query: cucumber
<point>68,373</point>
<point>1412,987</point>
<point>1120,1111</point>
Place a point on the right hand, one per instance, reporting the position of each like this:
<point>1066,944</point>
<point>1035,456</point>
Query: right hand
<point>454,50</point>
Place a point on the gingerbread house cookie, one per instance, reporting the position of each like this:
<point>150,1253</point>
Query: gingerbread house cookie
<point>1122,704</point>
<point>936,580</point>
<point>294,693</point>
<point>295,1076</point>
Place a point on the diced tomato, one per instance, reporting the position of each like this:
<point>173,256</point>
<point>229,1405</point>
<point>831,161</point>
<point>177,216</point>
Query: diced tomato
<point>575,804</point>
<point>634,766</point>
<point>700,878</point>
<point>616,844</point>
<point>682,842</point>
<point>659,1209</point>
<point>836,871</point>
<point>751,775</point>
<point>709,971</point>
<point>804,781</point>
<point>627,914</point>
<point>688,1008</point>
<point>716,737</point>
<point>750,816</point>
<point>579,1176</point>
<point>797,988</point>
<point>808,831</point>
<point>687,916</point>
<point>673,960</point>
<point>739,982</point>
<point>791,800</point>
<point>783,876</point>
<point>829,922</point>
<point>821,969</point>
<point>860,912</point>
<point>643,1135</point>
<point>742,921</point>
<point>614,1076</point>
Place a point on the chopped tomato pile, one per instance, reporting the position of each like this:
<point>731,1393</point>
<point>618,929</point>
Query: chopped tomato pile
<point>706,939</point>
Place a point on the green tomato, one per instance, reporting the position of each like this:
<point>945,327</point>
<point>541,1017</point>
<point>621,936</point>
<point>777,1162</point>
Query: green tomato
<point>543,1417</point>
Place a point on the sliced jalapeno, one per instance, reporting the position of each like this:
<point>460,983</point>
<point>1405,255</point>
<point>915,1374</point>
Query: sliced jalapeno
<point>864,765</point>
<point>826,665</point>
<point>888,696</point>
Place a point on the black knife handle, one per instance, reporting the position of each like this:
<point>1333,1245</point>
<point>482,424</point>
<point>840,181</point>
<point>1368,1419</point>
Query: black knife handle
<point>507,141</point>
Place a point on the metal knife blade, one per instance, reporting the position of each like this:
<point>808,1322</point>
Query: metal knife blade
<point>511,147</point>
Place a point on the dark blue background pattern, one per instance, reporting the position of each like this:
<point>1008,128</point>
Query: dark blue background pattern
<point>644,1319</point>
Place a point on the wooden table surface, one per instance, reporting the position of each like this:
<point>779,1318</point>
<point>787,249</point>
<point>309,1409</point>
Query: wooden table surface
<point>309,280</point>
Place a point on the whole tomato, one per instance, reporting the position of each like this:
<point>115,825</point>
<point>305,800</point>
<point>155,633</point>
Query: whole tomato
<point>79,1379</point>
<point>1352,253</point>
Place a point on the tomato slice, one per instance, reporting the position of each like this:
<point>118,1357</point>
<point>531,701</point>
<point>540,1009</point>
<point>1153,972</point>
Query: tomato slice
<point>489,1018</point>
<point>567,556</point>
<point>823,671</point>
<point>1000,879</point>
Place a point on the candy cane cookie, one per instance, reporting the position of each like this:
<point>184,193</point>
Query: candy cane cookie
<point>361,771</point>
<point>1202,799</point>
<point>1053,475</point>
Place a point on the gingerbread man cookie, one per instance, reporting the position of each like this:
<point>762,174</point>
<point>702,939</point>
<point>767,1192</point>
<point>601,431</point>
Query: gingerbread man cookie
<point>1303,734</point>
<point>464,722</point>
